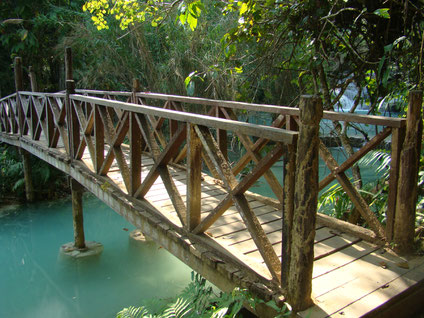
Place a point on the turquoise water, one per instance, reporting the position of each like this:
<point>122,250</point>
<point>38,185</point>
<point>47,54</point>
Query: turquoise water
<point>35,281</point>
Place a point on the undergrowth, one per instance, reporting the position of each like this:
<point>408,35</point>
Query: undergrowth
<point>199,300</point>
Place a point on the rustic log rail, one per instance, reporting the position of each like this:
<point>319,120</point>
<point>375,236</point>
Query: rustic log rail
<point>113,132</point>
<point>391,126</point>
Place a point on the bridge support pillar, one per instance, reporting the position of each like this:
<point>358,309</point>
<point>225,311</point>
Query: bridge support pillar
<point>77,214</point>
<point>79,248</point>
<point>29,187</point>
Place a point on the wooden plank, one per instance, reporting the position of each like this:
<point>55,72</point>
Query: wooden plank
<point>272,133</point>
<point>400,297</point>
<point>341,288</point>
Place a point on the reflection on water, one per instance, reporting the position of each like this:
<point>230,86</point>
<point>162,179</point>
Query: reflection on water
<point>35,281</point>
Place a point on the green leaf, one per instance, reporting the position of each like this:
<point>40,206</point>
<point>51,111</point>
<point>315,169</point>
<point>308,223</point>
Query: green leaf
<point>243,8</point>
<point>192,21</point>
<point>183,18</point>
<point>190,88</point>
<point>382,13</point>
<point>24,35</point>
<point>187,81</point>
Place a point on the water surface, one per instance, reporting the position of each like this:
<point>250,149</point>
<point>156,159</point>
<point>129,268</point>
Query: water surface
<point>35,281</point>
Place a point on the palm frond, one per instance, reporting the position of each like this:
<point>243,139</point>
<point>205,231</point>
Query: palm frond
<point>380,159</point>
<point>179,309</point>
<point>133,312</point>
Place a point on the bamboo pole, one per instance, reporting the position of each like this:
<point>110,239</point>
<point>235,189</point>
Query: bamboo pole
<point>404,225</point>
<point>299,278</point>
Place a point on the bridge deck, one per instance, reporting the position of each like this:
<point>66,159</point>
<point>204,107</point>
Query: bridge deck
<point>352,277</point>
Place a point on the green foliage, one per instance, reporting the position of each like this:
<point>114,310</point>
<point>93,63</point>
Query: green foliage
<point>199,300</point>
<point>46,179</point>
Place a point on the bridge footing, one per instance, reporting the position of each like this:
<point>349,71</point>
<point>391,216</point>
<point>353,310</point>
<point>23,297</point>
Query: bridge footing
<point>139,237</point>
<point>91,249</point>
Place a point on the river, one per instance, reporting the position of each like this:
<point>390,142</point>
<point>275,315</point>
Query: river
<point>37,282</point>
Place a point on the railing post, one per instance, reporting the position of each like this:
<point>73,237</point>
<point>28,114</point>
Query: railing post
<point>26,158</point>
<point>19,87</point>
<point>404,225</point>
<point>136,144</point>
<point>222,135</point>
<point>299,278</point>
<point>194,177</point>
<point>72,120</point>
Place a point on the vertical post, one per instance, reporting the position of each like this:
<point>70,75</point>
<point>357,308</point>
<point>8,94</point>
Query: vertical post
<point>398,136</point>
<point>136,144</point>
<point>77,190</point>
<point>194,177</point>
<point>299,279</point>
<point>29,187</point>
<point>32,80</point>
<point>288,202</point>
<point>19,87</point>
<point>288,211</point>
<point>404,225</point>
<point>222,135</point>
<point>68,64</point>
<point>73,134</point>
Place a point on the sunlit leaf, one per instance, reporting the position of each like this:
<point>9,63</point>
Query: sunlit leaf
<point>383,13</point>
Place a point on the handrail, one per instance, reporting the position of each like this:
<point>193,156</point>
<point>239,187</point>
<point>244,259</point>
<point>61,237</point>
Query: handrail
<point>275,109</point>
<point>8,97</point>
<point>276,134</point>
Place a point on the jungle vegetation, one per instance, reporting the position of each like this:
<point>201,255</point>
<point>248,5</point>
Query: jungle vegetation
<point>265,51</point>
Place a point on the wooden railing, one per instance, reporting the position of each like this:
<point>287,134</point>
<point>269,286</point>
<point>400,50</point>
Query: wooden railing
<point>113,125</point>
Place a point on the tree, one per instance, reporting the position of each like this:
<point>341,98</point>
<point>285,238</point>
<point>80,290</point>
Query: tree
<point>32,30</point>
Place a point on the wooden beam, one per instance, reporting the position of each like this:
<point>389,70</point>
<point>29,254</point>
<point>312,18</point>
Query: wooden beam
<point>288,213</point>
<point>404,226</point>
<point>269,176</point>
<point>77,213</point>
<point>272,133</point>
<point>299,280</point>
<point>194,178</point>
<point>358,155</point>
<point>352,192</point>
<point>398,136</point>
<point>249,218</point>
<point>160,160</point>
<point>262,166</point>
<point>136,147</point>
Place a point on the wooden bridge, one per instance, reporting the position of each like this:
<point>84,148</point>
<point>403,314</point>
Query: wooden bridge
<point>161,161</point>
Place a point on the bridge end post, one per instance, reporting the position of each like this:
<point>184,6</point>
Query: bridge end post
<point>299,280</point>
<point>405,212</point>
